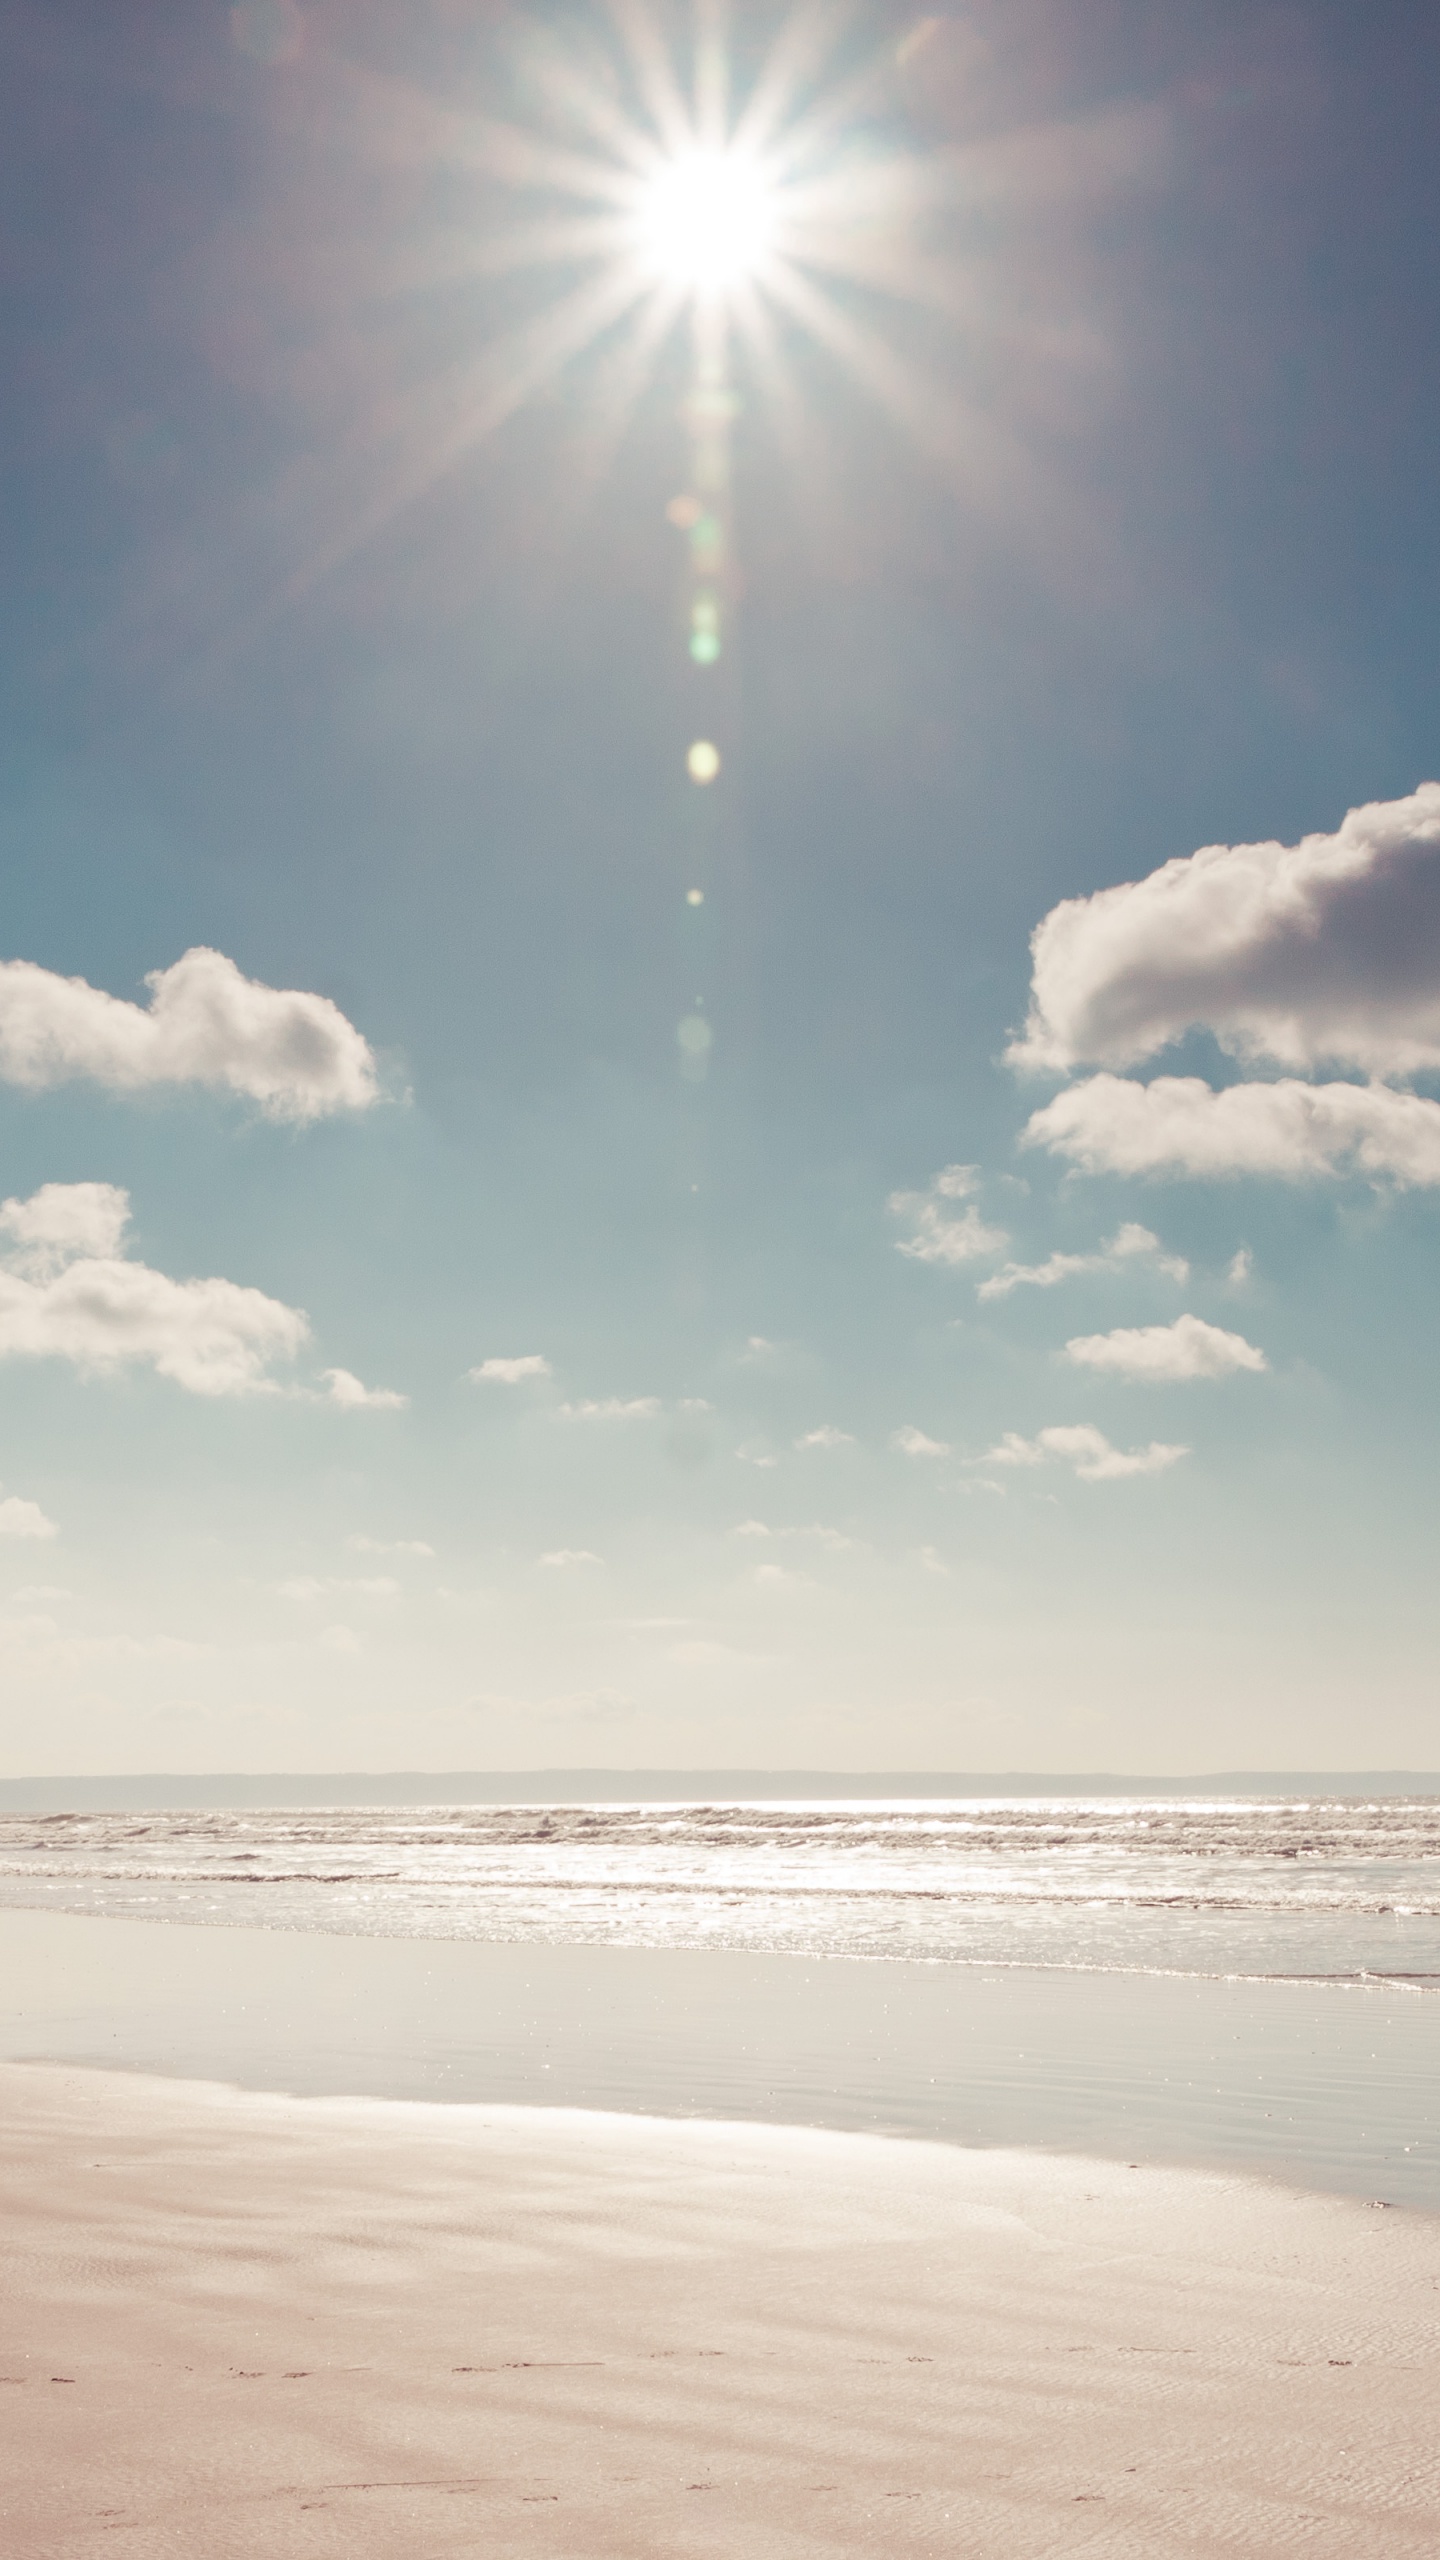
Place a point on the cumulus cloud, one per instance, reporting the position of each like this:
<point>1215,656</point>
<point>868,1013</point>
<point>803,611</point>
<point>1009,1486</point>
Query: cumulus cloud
<point>1240,1266</point>
<point>913,1443</point>
<point>342,1387</point>
<point>294,1054</point>
<point>937,1234</point>
<point>1164,1354</point>
<point>1081,1446</point>
<point>509,1373</point>
<point>1326,950</point>
<point>611,1409</point>
<point>65,1293</point>
<point>62,1221</point>
<point>825,1437</point>
<point>1129,1243</point>
<point>1293,1131</point>
<point>21,1519</point>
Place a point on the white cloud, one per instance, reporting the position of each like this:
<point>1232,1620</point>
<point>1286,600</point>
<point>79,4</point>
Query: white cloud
<point>294,1054</point>
<point>340,1640</point>
<point>917,1444</point>
<point>509,1373</point>
<point>1297,1132</point>
<point>562,1556</point>
<point>61,1299</point>
<point>1081,1446</point>
<point>612,1409</point>
<point>1240,1266</point>
<point>1163,1353</point>
<point>938,1236</point>
<point>826,1437</point>
<point>364,1546</point>
<point>934,1562</point>
<point>62,1221</point>
<point>1324,950</point>
<point>21,1519</point>
<point>750,1529</point>
<point>759,1351</point>
<point>1129,1243</point>
<point>344,1388</point>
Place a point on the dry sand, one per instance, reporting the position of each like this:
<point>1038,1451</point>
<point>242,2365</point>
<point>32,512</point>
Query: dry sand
<point>247,2325</point>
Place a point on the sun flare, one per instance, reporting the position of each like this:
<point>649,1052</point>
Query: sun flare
<point>707,221</point>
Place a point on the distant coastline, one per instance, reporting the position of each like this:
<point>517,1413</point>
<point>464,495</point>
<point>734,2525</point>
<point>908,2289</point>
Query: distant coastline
<point>152,1790</point>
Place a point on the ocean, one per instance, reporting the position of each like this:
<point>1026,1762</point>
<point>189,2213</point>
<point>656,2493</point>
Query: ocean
<point>1246,1983</point>
<point>1313,1890</point>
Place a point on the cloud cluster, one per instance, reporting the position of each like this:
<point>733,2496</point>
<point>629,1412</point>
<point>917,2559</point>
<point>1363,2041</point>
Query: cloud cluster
<point>1166,1354</point>
<point>1290,1131</point>
<point>67,1292</point>
<point>295,1054</point>
<point>1130,1243</point>
<point>1292,956</point>
<point>1327,950</point>
<point>938,1235</point>
<point>1081,1446</point>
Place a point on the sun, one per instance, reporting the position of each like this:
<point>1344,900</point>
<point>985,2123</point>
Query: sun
<point>707,221</point>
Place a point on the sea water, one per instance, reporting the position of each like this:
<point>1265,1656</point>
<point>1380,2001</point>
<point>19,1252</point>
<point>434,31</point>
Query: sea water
<point>1233,1982</point>
<point>1264,1889</point>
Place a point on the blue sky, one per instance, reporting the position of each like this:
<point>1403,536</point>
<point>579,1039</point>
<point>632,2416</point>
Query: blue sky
<point>1111,538</point>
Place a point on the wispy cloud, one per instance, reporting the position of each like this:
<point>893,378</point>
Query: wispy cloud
<point>914,1443</point>
<point>561,1557</point>
<point>345,1389</point>
<point>509,1373</point>
<point>611,1409</point>
<point>364,1546</point>
<point>295,1054</point>
<point>1081,1446</point>
<point>825,1436</point>
<point>307,1586</point>
<point>1130,1243</point>
<point>816,1530</point>
<point>1162,1354</point>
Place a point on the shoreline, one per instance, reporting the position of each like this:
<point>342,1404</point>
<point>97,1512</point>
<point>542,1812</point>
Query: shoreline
<point>352,2324</point>
<point>1278,2080</point>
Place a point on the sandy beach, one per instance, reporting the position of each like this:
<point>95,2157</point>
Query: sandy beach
<point>240,2324</point>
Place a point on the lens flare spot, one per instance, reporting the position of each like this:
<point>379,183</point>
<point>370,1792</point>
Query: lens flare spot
<point>694,897</point>
<point>703,761</point>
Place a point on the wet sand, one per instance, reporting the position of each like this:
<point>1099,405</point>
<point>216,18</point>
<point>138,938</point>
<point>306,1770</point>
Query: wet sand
<point>238,2324</point>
